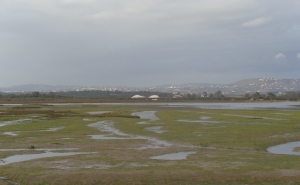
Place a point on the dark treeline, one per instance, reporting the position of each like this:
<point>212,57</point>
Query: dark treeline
<point>34,94</point>
<point>97,94</point>
<point>120,95</point>
<point>111,94</point>
<point>272,96</point>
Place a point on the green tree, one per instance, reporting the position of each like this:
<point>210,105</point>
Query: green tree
<point>35,94</point>
<point>256,95</point>
<point>218,94</point>
<point>247,96</point>
<point>12,96</point>
<point>271,96</point>
<point>51,94</point>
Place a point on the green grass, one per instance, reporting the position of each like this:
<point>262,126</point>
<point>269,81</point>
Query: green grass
<point>235,148</point>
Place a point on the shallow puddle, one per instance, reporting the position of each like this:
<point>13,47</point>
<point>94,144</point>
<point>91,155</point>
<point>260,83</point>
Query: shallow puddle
<point>53,129</point>
<point>283,114</point>
<point>253,117</point>
<point>27,157</point>
<point>107,126</point>
<point>287,148</point>
<point>173,156</point>
<point>146,115</point>
<point>204,118</point>
<point>156,129</point>
<point>4,123</point>
<point>199,121</point>
<point>37,149</point>
<point>206,122</point>
<point>141,122</point>
<point>10,133</point>
<point>105,137</point>
<point>98,112</point>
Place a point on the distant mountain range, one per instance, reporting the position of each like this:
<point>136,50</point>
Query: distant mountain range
<point>242,86</point>
<point>57,88</point>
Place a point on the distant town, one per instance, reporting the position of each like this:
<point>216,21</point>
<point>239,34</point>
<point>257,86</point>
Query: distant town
<point>249,89</point>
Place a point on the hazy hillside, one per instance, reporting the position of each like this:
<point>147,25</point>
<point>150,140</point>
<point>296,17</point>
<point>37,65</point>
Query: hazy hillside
<point>37,87</point>
<point>242,86</point>
<point>266,85</point>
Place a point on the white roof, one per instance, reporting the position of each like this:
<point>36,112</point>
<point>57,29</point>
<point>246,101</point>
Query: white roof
<point>154,96</point>
<point>138,96</point>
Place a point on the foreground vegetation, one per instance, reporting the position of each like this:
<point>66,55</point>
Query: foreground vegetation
<point>230,145</point>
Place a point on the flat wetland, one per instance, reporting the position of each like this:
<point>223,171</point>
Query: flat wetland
<point>149,143</point>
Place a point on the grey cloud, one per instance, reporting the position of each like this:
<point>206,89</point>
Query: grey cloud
<point>257,22</point>
<point>280,56</point>
<point>113,42</point>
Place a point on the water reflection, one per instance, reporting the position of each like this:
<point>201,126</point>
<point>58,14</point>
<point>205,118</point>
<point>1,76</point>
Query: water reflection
<point>4,123</point>
<point>98,112</point>
<point>10,133</point>
<point>216,105</point>
<point>253,117</point>
<point>27,157</point>
<point>244,105</point>
<point>141,122</point>
<point>53,129</point>
<point>287,148</point>
<point>107,126</point>
<point>146,115</point>
<point>156,129</point>
<point>199,121</point>
<point>174,156</point>
<point>105,137</point>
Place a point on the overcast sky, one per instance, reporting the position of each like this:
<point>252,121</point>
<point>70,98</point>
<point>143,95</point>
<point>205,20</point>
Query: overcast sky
<point>147,42</point>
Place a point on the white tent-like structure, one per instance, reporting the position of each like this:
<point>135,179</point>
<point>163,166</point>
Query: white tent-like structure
<point>153,97</point>
<point>138,96</point>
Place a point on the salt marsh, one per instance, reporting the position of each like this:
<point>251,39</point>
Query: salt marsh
<point>211,140</point>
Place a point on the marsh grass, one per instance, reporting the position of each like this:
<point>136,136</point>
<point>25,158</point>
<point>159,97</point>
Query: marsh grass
<point>232,151</point>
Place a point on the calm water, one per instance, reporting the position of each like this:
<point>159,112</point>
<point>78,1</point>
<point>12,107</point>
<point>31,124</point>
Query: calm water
<point>287,148</point>
<point>173,156</point>
<point>27,157</point>
<point>98,112</point>
<point>156,129</point>
<point>217,105</point>
<point>241,105</point>
<point>146,115</point>
<point>107,126</point>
